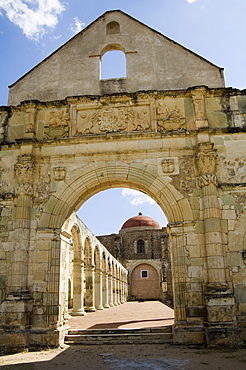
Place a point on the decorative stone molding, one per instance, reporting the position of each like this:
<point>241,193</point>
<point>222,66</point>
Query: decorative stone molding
<point>24,189</point>
<point>199,107</point>
<point>206,179</point>
<point>59,173</point>
<point>24,168</point>
<point>206,161</point>
<point>168,165</point>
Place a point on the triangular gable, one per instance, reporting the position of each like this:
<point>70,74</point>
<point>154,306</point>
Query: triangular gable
<point>154,62</point>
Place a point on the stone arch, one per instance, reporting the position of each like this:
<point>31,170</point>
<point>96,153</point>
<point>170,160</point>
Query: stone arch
<point>112,47</point>
<point>88,252</point>
<point>147,178</point>
<point>77,243</point>
<point>69,197</point>
<point>140,262</point>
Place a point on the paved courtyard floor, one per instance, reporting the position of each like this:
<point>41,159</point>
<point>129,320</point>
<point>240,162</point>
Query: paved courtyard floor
<point>127,357</point>
<point>128,315</point>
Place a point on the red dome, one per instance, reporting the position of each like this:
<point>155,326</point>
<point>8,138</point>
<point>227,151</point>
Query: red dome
<point>141,221</point>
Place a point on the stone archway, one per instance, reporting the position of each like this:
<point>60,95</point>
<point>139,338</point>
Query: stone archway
<point>89,181</point>
<point>184,147</point>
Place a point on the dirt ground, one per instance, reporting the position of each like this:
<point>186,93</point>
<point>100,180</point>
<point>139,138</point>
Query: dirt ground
<point>128,356</point>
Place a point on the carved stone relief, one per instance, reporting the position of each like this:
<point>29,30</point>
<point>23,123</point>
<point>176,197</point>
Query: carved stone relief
<point>169,118</point>
<point>113,119</point>
<point>139,118</point>
<point>206,162</point>
<point>57,124</point>
<point>199,107</point>
<point>206,179</point>
<point>59,173</point>
<point>168,165</point>
<point>24,169</point>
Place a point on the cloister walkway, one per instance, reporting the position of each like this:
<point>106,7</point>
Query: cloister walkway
<point>128,315</point>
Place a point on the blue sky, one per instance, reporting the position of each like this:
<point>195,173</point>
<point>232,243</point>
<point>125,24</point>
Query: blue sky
<point>32,29</point>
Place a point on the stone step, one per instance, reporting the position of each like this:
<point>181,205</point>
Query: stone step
<point>119,336</point>
<point>166,329</point>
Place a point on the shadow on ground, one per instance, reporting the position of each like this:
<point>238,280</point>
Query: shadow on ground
<point>116,325</point>
<point>126,357</point>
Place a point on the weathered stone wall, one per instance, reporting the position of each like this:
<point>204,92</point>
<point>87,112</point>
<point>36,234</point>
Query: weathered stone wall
<point>185,150</point>
<point>153,62</point>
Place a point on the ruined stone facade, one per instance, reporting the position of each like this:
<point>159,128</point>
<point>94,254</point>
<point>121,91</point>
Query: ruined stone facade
<point>180,142</point>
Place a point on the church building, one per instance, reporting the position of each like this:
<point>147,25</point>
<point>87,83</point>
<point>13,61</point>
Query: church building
<point>142,246</point>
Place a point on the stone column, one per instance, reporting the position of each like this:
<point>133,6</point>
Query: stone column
<point>78,288</point>
<point>105,284</point>
<point>48,316</point>
<point>110,291</point>
<point>122,300</point>
<point>118,290</point>
<point>211,215</point>
<point>220,301</point>
<point>89,293</point>
<point>179,257</point>
<point>15,311</point>
<point>114,281</point>
<point>24,191</point>
<point>98,289</point>
<point>187,286</point>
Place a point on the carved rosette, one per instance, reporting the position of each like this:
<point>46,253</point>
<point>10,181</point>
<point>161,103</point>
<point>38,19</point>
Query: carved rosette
<point>206,162</point>
<point>24,170</point>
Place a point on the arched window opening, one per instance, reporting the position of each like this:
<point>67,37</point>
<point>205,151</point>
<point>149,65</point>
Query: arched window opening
<point>113,65</point>
<point>112,28</point>
<point>140,247</point>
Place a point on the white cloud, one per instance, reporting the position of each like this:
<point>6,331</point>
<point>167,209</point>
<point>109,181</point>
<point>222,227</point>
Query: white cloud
<point>191,1</point>
<point>77,25</point>
<point>55,37</point>
<point>34,17</point>
<point>136,197</point>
